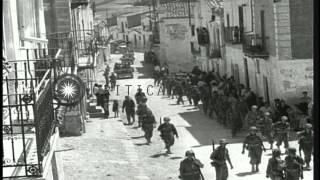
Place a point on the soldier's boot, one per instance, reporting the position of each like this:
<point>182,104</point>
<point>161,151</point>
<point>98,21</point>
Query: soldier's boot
<point>252,168</point>
<point>148,140</point>
<point>168,150</point>
<point>257,167</point>
<point>308,165</point>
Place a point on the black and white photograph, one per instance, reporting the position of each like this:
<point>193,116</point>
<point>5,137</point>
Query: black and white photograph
<point>159,90</point>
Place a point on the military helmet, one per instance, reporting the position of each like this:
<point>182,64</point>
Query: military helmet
<point>276,152</point>
<point>267,114</point>
<point>292,150</point>
<point>284,118</point>
<point>223,141</point>
<point>189,152</point>
<point>253,128</point>
<point>308,126</point>
<point>166,119</point>
<point>254,107</point>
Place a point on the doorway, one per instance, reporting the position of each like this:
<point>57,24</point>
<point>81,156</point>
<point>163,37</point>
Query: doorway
<point>246,73</point>
<point>266,89</point>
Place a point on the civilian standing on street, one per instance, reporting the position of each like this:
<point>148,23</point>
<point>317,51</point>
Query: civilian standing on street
<point>168,131</point>
<point>106,96</point>
<point>219,157</point>
<point>115,108</point>
<point>190,167</point>
<point>129,106</point>
<point>253,143</point>
<point>95,91</point>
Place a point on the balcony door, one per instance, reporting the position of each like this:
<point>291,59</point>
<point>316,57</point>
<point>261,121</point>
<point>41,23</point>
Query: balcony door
<point>241,27</point>
<point>246,73</point>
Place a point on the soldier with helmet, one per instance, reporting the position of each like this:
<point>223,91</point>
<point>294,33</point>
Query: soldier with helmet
<point>275,167</point>
<point>190,167</point>
<point>140,96</point>
<point>168,131</point>
<point>219,157</point>
<point>293,165</point>
<point>253,143</point>
<point>147,124</point>
<point>252,117</point>
<point>266,128</point>
<point>281,130</point>
<point>306,143</point>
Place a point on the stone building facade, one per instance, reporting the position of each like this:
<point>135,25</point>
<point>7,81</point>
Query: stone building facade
<point>269,46</point>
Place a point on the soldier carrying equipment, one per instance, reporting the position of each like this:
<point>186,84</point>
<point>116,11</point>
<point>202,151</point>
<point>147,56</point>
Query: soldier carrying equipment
<point>219,157</point>
<point>293,165</point>
<point>190,167</point>
<point>168,131</point>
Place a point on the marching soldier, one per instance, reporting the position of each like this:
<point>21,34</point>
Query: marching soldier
<point>140,96</point>
<point>168,131</point>
<point>129,106</point>
<point>275,168</point>
<point>189,91</point>
<point>282,132</point>
<point>266,129</point>
<point>252,117</point>
<point>254,145</point>
<point>195,95</point>
<point>179,92</point>
<point>306,143</point>
<point>190,167</point>
<point>147,124</point>
<point>219,157</point>
<point>141,111</point>
<point>293,165</point>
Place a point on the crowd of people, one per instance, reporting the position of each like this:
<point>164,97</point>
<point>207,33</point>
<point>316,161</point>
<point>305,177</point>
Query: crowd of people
<point>234,106</point>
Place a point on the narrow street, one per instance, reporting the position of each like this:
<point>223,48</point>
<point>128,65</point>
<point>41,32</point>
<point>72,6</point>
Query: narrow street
<point>111,150</point>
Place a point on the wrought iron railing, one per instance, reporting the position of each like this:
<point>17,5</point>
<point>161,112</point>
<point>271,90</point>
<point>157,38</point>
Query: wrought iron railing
<point>255,45</point>
<point>28,120</point>
<point>233,35</point>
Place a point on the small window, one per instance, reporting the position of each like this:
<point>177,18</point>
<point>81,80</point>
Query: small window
<point>192,30</point>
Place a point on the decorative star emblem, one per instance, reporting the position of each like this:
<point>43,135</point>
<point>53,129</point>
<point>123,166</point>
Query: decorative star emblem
<point>68,90</point>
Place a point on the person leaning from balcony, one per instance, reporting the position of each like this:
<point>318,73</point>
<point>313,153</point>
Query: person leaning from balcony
<point>129,106</point>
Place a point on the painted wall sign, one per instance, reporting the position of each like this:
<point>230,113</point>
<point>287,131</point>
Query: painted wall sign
<point>177,9</point>
<point>176,31</point>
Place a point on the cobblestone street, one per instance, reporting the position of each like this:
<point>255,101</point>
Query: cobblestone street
<point>111,150</point>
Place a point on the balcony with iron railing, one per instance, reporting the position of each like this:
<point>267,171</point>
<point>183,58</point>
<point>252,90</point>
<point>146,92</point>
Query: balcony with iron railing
<point>255,46</point>
<point>232,35</point>
<point>29,119</point>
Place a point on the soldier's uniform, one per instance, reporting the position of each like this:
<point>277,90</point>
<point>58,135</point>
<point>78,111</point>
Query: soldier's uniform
<point>293,165</point>
<point>281,130</point>
<point>189,92</point>
<point>129,106</point>
<point>275,167</point>
<point>195,95</point>
<point>148,121</point>
<point>205,97</point>
<point>168,131</point>
<point>141,110</point>
<point>140,96</point>
<point>306,143</point>
<point>213,104</point>
<point>253,143</point>
<point>179,92</point>
<point>266,129</point>
<point>190,167</point>
<point>219,157</point>
<point>252,117</point>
